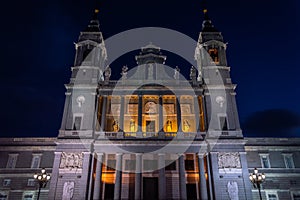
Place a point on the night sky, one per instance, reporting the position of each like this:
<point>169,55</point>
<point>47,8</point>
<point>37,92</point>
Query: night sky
<point>37,53</point>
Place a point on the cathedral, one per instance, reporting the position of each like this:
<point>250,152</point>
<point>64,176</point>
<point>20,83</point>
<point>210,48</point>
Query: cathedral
<point>150,134</point>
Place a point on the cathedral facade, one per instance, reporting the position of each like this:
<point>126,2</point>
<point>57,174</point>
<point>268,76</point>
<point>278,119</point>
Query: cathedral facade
<point>152,134</point>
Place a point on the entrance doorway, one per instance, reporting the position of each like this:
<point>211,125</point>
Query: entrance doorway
<point>150,188</point>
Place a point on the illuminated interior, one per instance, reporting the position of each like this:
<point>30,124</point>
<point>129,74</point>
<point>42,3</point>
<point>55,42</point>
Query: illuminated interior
<point>113,114</point>
<point>214,55</point>
<point>201,114</point>
<point>187,113</point>
<point>169,113</point>
<point>131,114</point>
<point>150,121</point>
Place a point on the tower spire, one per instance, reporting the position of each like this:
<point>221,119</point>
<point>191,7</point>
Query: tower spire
<point>94,23</point>
<point>207,25</point>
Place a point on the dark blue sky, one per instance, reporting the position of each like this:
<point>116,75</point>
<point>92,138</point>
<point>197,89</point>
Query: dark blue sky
<point>37,53</point>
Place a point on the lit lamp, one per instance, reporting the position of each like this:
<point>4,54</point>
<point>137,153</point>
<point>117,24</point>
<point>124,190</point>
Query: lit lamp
<point>257,179</point>
<point>42,178</point>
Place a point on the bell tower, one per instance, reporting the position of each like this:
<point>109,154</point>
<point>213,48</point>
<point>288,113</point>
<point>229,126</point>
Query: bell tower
<point>219,91</point>
<point>79,111</point>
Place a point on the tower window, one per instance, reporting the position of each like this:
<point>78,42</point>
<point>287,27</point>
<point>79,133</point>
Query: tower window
<point>77,122</point>
<point>214,55</point>
<point>87,55</point>
<point>223,123</point>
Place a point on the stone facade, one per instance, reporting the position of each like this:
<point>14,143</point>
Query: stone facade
<point>150,135</point>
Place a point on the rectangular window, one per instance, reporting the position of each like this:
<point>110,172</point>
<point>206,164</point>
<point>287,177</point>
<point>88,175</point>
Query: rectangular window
<point>296,196</point>
<point>28,195</point>
<point>12,160</point>
<point>3,195</point>
<point>265,161</point>
<point>189,165</point>
<point>171,165</point>
<point>150,165</point>
<point>111,165</point>
<point>31,182</point>
<point>77,122</point>
<point>223,123</point>
<point>288,160</point>
<point>130,165</point>
<point>6,182</point>
<point>36,160</point>
<point>272,196</point>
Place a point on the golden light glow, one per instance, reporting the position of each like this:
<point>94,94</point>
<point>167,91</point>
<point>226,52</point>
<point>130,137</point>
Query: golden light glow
<point>97,11</point>
<point>205,11</point>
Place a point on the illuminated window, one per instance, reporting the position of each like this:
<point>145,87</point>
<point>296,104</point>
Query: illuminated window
<point>169,113</point>
<point>288,160</point>
<point>131,114</point>
<point>12,161</point>
<point>150,114</point>
<point>214,55</point>
<point>113,114</point>
<point>187,109</point>
<point>265,162</point>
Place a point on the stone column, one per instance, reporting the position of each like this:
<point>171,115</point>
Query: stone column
<point>97,186</point>
<point>182,180</point>
<point>162,177</point>
<point>118,180</point>
<point>138,176</point>
<point>121,125</point>
<point>140,113</point>
<point>103,114</point>
<point>161,117</point>
<point>178,114</point>
<point>203,186</point>
<point>197,113</point>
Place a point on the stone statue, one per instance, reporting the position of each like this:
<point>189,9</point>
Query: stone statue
<point>132,125</point>
<point>176,73</point>
<point>186,125</point>
<point>169,125</point>
<point>107,73</point>
<point>233,191</point>
<point>68,190</point>
<point>115,126</point>
<point>193,73</point>
<point>124,72</point>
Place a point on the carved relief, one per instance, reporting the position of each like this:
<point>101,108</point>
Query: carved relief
<point>229,160</point>
<point>71,161</point>
<point>68,190</point>
<point>233,191</point>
